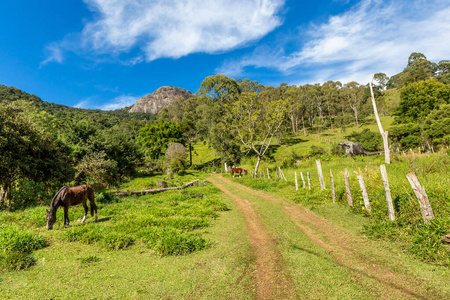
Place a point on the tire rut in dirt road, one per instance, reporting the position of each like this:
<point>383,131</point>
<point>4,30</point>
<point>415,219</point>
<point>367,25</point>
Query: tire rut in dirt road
<point>272,282</point>
<point>348,250</point>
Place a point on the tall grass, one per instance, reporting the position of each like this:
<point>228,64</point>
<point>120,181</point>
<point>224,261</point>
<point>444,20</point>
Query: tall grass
<point>16,247</point>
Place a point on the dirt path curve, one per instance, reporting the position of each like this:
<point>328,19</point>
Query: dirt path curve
<point>346,249</point>
<point>272,282</point>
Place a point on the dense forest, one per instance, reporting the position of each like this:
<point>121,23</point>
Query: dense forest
<point>44,145</point>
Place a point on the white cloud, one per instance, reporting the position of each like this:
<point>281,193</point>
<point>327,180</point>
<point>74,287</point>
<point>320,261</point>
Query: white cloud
<point>374,36</point>
<point>119,102</point>
<point>85,103</point>
<point>113,104</point>
<point>174,28</point>
<point>55,54</point>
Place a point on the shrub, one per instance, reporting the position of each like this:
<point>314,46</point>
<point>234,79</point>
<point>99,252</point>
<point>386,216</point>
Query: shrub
<point>371,141</point>
<point>28,193</point>
<point>104,197</point>
<point>176,157</point>
<point>316,151</point>
<point>96,170</point>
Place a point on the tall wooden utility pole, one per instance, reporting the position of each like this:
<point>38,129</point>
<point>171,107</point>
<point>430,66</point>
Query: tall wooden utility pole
<point>384,134</point>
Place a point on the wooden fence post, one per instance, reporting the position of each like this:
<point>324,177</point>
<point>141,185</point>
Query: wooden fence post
<point>347,189</point>
<point>268,176</point>
<point>424,203</point>
<point>226,169</point>
<point>309,180</point>
<point>319,171</point>
<point>388,193</point>
<point>296,183</point>
<point>333,194</point>
<point>303,179</point>
<point>364,193</point>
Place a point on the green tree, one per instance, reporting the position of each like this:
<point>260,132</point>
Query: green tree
<point>120,147</point>
<point>256,119</point>
<point>154,138</point>
<point>436,128</point>
<point>25,153</point>
<point>419,99</point>
<point>382,80</point>
<point>443,71</point>
<point>405,136</point>
<point>215,94</point>
<point>356,96</point>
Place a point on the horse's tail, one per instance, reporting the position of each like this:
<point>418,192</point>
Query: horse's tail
<point>90,194</point>
<point>57,196</point>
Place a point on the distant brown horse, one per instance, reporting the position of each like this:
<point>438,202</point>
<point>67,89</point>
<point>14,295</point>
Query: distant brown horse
<point>70,196</point>
<point>238,171</point>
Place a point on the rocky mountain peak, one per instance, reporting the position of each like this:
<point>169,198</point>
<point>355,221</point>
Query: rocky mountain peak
<point>159,99</point>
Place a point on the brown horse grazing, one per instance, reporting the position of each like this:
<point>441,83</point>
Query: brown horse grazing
<point>69,196</point>
<point>238,171</point>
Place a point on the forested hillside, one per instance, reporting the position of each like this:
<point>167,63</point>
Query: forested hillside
<point>45,144</point>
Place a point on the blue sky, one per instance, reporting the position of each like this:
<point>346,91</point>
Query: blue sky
<point>107,53</point>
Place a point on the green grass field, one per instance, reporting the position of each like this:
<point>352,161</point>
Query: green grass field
<point>170,245</point>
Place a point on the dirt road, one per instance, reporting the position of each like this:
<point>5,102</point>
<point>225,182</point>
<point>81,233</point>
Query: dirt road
<point>272,278</point>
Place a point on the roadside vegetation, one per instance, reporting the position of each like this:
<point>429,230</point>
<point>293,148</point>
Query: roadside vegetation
<point>408,229</point>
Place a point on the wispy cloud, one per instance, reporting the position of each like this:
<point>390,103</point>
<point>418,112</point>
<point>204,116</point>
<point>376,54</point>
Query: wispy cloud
<point>374,36</point>
<point>172,28</point>
<point>54,54</point>
<point>85,103</point>
<point>113,104</point>
<point>119,102</point>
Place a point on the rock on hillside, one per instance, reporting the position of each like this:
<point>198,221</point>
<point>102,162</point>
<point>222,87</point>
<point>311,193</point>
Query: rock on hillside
<point>159,99</point>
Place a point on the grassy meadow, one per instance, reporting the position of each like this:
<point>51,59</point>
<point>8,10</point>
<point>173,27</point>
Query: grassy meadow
<point>138,249</point>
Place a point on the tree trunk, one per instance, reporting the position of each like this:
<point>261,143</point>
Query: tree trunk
<point>257,165</point>
<point>190,154</point>
<point>303,123</point>
<point>4,196</point>
<point>293,124</point>
<point>356,117</point>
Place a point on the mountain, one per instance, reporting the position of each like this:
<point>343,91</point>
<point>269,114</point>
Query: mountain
<point>9,93</point>
<point>159,99</point>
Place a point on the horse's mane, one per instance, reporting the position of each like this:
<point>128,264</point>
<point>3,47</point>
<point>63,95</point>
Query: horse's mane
<point>57,197</point>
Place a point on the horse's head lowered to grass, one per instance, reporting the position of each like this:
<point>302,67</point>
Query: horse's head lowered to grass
<point>50,218</point>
